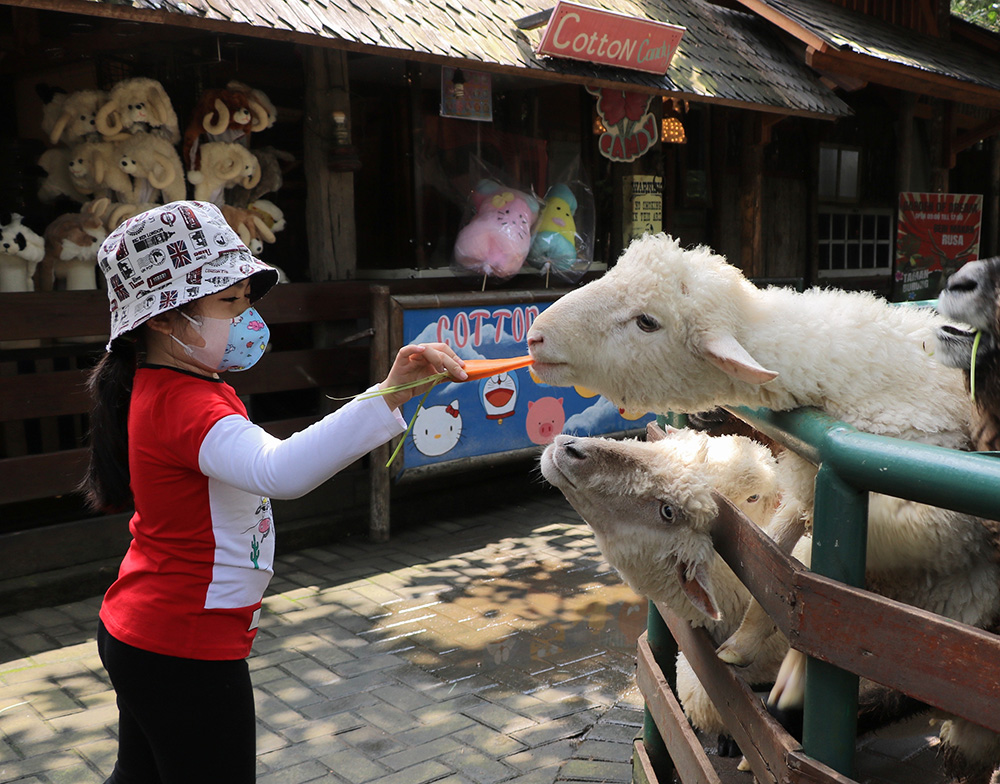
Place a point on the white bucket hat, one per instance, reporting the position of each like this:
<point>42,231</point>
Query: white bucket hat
<point>172,254</point>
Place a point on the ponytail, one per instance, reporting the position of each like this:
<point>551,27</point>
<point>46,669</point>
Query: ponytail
<point>106,483</point>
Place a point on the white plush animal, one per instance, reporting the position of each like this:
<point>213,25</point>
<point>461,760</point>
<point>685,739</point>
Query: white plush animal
<point>71,244</point>
<point>152,168</point>
<point>651,505</point>
<point>135,105</point>
<point>20,251</point>
<point>223,165</point>
<point>669,329</point>
<point>58,182</point>
<point>972,296</point>
<point>94,170</point>
<point>71,118</point>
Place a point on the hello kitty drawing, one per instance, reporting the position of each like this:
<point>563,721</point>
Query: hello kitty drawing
<point>437,429</point>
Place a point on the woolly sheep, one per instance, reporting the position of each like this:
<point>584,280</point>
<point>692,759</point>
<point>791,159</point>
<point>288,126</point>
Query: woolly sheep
<point>682,330</point>
<point>58,182</point>
<point>972,297</point>
<point>650,505</point>
<point>93,167</point>
<point>153,169</point>
<point>223,165</point>
<point>251,227</point>
<point>135,105</point>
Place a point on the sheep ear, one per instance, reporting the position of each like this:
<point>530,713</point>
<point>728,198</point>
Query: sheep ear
<point>698,589</point>
<point>726,353</point>
<point>656,433</point>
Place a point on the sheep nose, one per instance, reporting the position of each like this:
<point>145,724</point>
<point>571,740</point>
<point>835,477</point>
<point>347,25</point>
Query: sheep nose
<point>534,341</point>
<point>574,451</point>
<point>963,280</point>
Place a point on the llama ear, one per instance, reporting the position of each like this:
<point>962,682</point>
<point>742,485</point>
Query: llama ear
<point>698,589</point>
<point>725,352</point>
<point>656,433</point>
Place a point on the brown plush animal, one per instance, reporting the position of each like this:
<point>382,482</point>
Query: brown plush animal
<point>71,244</point>
<point>219,116</point>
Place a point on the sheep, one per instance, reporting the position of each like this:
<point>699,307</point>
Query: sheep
<point>57,181</point>
<point>250,225</point>
<point>273,165</point>
<point>682,330</point>
<point>138,104</point>
<point>223,165</point>
<point>94,170</point>
<point>972,296</point>
<point>261,107</point>
<point>219,116</point>
<point>153,170</point>
<point>71,244</point>
<point>71,118</point>
<point>650,505</point>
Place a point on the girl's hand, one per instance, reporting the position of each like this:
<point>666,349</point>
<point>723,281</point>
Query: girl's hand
<point>413,363</point>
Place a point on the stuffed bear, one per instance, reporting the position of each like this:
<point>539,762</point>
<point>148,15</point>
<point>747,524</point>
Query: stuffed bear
<point>496,241</point>
<point>20,251</point>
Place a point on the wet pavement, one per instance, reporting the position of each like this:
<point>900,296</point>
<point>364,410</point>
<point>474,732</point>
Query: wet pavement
<point>472,648</point>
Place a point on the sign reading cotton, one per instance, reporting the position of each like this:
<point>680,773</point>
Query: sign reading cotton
<point>580,32</point>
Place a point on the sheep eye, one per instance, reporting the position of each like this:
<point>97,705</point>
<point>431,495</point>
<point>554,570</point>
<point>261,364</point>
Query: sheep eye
<point>647,323</point>
<point>753,499</point>
<point>667,512</point>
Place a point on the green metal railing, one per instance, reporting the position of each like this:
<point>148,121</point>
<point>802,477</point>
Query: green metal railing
<point>852,464</point>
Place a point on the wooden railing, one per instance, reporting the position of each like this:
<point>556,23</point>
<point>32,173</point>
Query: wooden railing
<point>846,631</point>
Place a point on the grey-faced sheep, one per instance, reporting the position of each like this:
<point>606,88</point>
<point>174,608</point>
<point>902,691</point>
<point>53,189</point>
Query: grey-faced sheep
<point>153,170</point>
<point>669,329</point>
<point>972,296</point>
<point>135,105</point>
<point>650,505</point>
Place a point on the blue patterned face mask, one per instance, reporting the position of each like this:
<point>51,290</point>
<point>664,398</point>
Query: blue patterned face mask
<point>230,344</point>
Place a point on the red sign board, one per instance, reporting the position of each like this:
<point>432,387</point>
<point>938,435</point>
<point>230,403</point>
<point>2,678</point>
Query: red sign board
<point>580,32</point>
<point>935,235</point>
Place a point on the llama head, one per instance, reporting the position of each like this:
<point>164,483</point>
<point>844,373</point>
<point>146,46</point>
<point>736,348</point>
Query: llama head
<point>971,296</point>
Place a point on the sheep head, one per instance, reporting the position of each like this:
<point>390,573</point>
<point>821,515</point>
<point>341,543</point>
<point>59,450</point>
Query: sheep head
<point>263,110</point>
<point>971,296</point>
<point>656,333</point>
<point>136,105</point>
<point>651,505</point>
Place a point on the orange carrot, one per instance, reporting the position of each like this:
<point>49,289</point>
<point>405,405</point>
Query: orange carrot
<point>484,368</point>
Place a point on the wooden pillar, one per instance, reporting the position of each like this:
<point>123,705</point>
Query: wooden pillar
<point>380,360</point>
<point>904,149</point>
<point>991,209</point>
<point>330,194</point>
<point>751,198</point>
<point>940,146</point>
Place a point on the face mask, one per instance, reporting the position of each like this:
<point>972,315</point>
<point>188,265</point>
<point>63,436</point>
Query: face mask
<point>230,344</point>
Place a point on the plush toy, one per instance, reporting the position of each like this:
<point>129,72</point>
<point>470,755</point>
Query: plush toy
<point>57,181</point>
<point>273,165</point>
<point>71,244</point>
<point>219,116</point>
<point>71,118</point>
<point>223,165</point>
<point>135,105</point>
<point>94,170</point>
<point>251,227</point>
<point>496,241</point>
<point>20,251</point>
<point>554,244</point>
<point>264,112</point>
<point>153,169</point>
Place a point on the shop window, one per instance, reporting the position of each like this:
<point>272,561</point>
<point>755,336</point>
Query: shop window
<point>855,243</point>
<point>838,173</point>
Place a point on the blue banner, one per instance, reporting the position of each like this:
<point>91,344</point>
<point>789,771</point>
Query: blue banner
<point>504,413</point>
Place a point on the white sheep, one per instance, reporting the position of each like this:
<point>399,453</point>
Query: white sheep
<point>971,296</point>
<point>94,170</point>
<point>70,118</point>
<point>58,182</point>
<point>153,170</point>
<point>669,329</point>
<point>223,165</point>
<point>651,505</point>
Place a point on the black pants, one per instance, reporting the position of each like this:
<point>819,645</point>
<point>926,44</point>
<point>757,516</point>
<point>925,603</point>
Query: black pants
<point>181,721</point>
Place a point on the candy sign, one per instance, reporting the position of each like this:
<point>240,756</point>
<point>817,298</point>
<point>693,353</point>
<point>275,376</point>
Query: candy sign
<point>580,32</point>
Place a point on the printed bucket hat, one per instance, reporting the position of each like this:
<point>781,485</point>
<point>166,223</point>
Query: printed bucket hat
<point>172,254</point>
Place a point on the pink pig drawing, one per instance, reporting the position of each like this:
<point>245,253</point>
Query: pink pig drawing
<point>545,420</point>
<point>497,239</point>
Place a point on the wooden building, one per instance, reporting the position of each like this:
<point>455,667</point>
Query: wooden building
<point>774,99</point>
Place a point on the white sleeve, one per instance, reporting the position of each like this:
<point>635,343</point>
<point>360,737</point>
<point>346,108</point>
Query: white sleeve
<point>244,455</point>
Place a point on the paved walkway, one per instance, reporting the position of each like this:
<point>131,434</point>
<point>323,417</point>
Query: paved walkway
<point>470,649</point>
<point>492,648</point>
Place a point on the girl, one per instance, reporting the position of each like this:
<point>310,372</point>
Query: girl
<point>169,436</point>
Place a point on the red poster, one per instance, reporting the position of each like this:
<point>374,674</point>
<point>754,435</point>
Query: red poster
<point>935,235</point>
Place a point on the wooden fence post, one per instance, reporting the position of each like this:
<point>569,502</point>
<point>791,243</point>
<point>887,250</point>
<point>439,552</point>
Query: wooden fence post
<point>379,503</point>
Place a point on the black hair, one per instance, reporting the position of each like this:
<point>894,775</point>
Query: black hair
<point>106,482</point>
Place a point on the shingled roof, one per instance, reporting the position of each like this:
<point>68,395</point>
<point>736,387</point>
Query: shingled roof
<point>728,57</point>
<point>845,41</point>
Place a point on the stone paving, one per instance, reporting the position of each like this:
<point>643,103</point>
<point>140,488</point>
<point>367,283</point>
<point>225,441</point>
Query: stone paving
<point>492,648</point>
